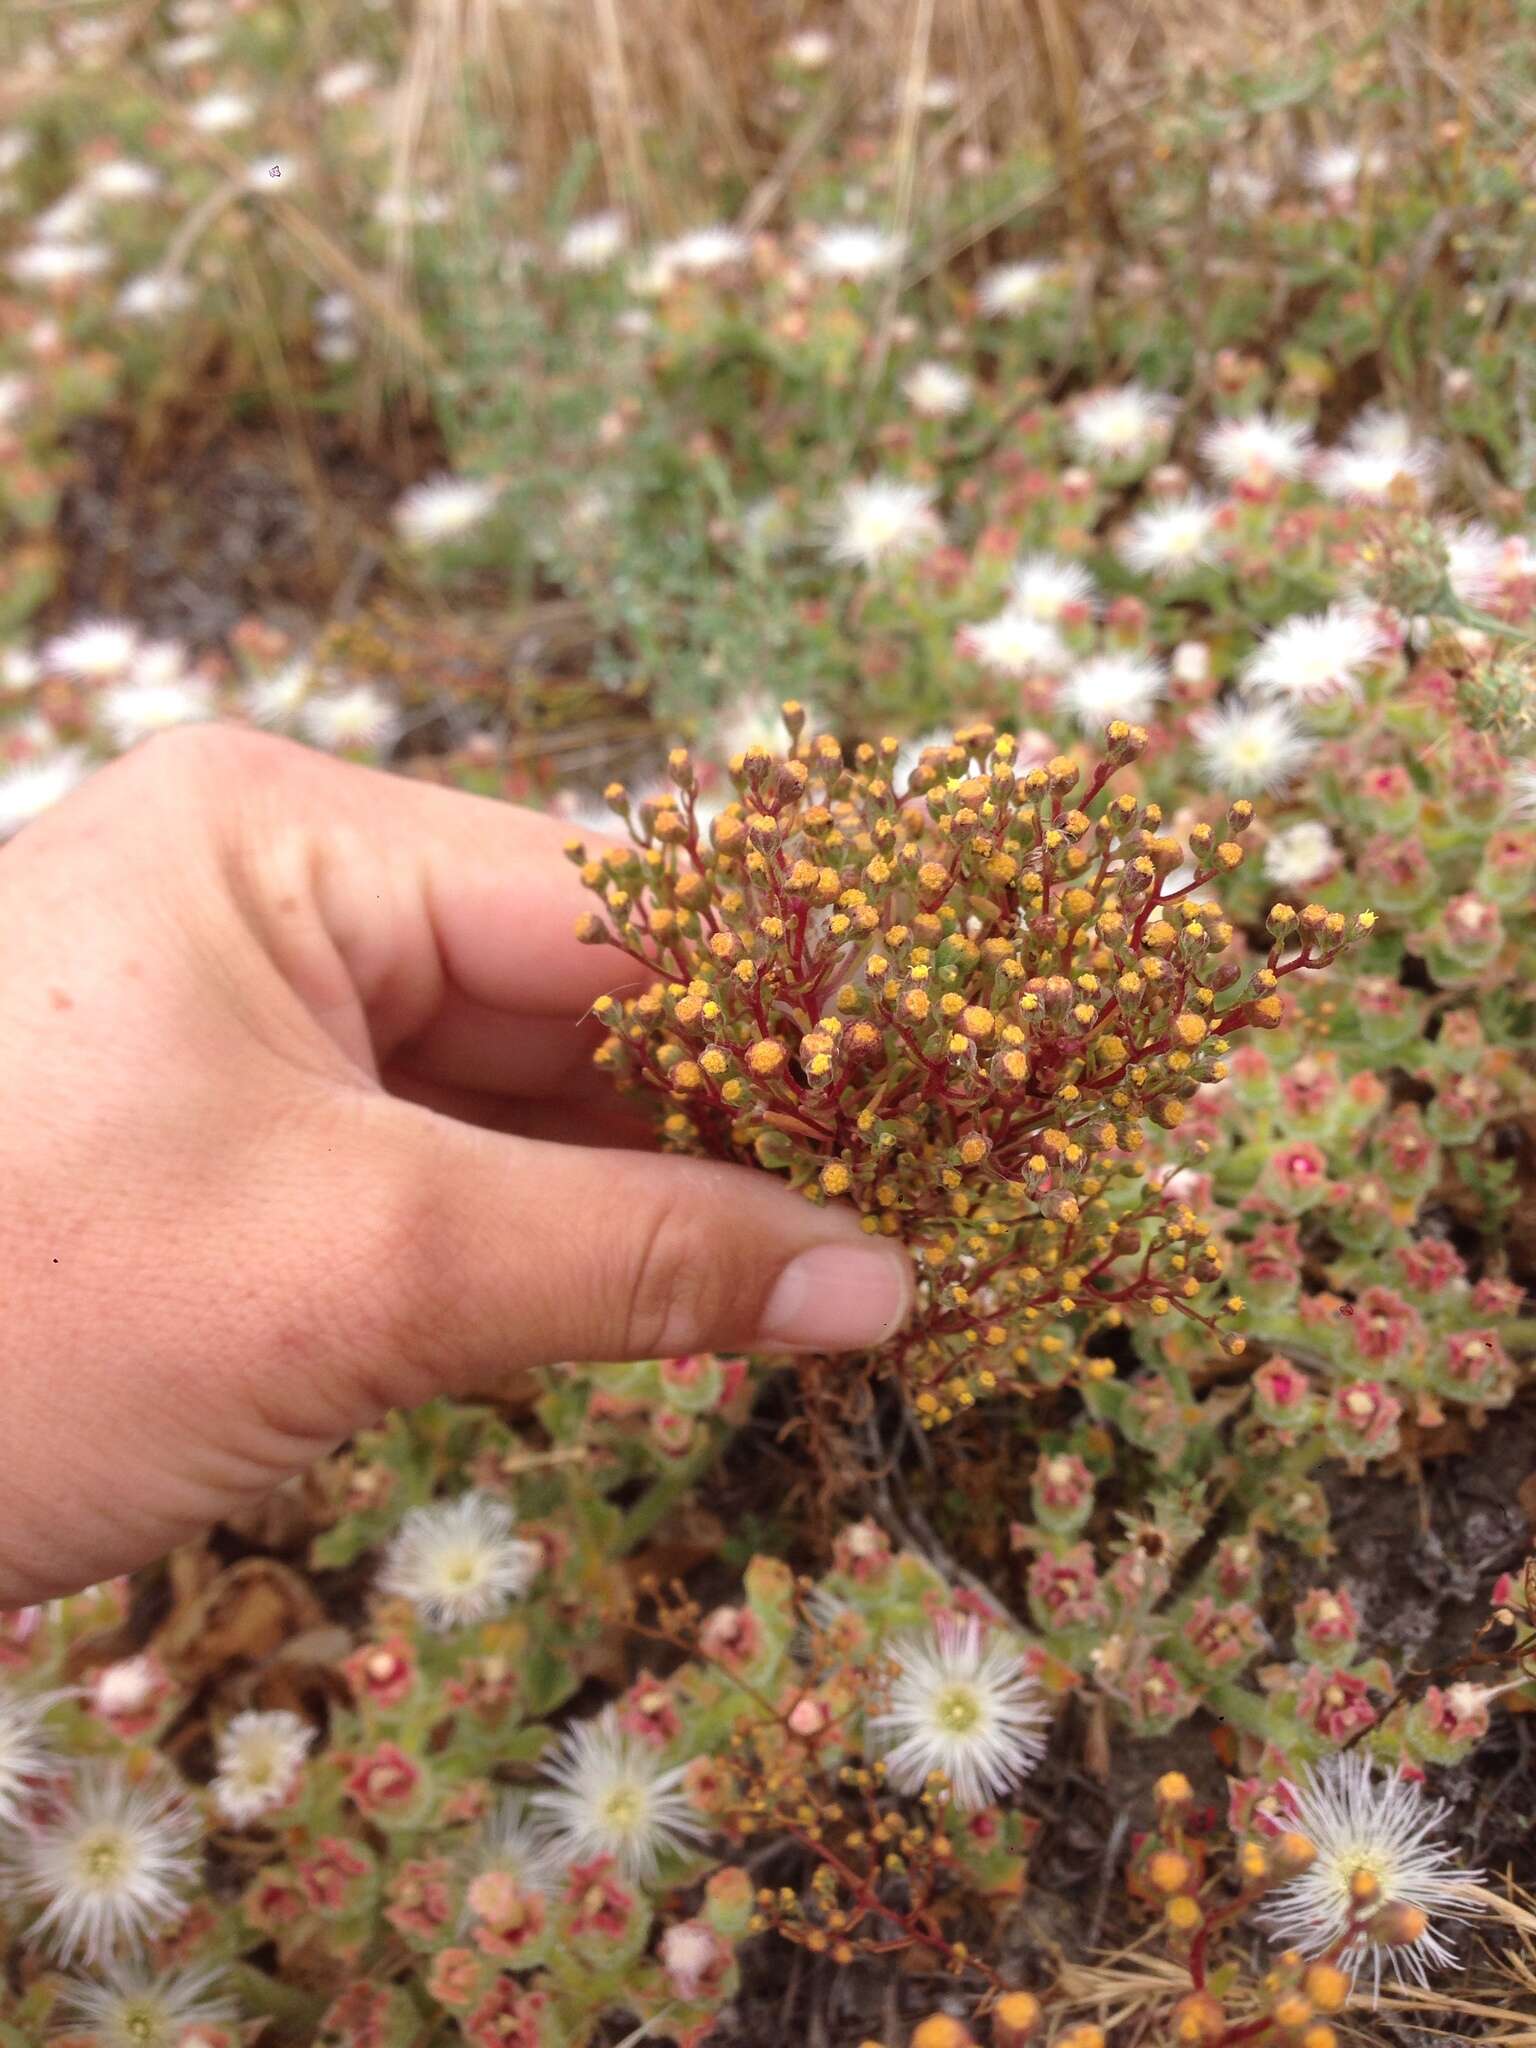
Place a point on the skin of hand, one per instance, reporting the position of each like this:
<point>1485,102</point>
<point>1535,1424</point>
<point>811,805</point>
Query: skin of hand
<point>301,1125</point>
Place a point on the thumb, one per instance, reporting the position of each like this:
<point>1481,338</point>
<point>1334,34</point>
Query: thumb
<point>526,1253</point>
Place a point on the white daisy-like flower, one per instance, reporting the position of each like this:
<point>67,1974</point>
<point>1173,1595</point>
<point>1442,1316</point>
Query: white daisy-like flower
<point>1477,562</point>
<point>159,661</point>
<point>1046,586</point>
<point>593,242</point>
<point>1377,1883</point>
<point>60,263</point>
<point>273,700</point>
<point>1012,288</point>
<point>1260,448</point>
<point>35,786</point>
<point>362,716</point>
<point>514,1846</point>
<point>180,53</point>
<point>124,1688</point>
<point>458,1561</point>
<point>345,82</point>
<point>1333,168</point>
<point>94,651</point>
<point>259,1758</point>
<point>1126,424</point>
<point>129,712</point>
<point>936,390</point>
<point>1172,538</point>
<point>1315,656</point>
<point>109,1866</point>
<point>811,50</point>
<point>15,391</point>
<point>964,1706</point>
<point>699,253</point>
<point>443,508</point>
<point>883,520</point>
<point>854,251</point>
<point>154,296</point>
<point>613,1798</point>
<point>1249,749</point>
<point>68,218</point>
<point>24,1753</point>
<point>220,113</point>
<point>1301,854</point>
<point>1111,686</point>
<point>1017,644</point>
<point>1522,791</point>
<point>120,178</point>
<point>1379,448</point>
<point>132,2007</point>
<point>20,669</point>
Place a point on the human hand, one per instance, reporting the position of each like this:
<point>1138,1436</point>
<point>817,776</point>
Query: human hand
<point>286,1046</point>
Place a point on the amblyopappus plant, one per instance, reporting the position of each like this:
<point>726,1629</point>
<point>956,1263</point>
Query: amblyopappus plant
<point>952,994</point>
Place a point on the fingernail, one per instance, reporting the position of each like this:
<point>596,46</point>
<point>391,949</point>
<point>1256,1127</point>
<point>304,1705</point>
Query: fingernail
<point>839,1297</point>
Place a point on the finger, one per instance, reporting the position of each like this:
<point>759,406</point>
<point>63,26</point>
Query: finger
<point>510,1253</point>
<point>594,1117</point>
<point>469,1045</point>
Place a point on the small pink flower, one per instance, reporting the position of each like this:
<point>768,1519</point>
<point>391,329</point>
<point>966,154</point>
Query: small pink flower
<point>1383,1326</point>
<point>507,2017</point>
<point>386,1781</point>
<point>1282,1391</point>
<point>695,1959</point>
<point>128,1695</point>
<point>1063,1485</point>
<point>455,1977</point>
<point>273,1900</point>
<point>734,1635</point>
<point>1459,1714</point>
<point>862,1551</point>
<point>359,2017</point>
<point>1065,1590</point>
<point>1327,1620</point>
<point>420,1897</point>
<point>597,1901</point>
<point>381,1674</point>
<point>807,1718</point>
<point>648,1712</point>
<point>1364,1414</point>
<point>1431,1265</point>
<point>331,1877</point>
<point>509,1917</point>
<point>1335,1704</point>
<point>1477,1362</point>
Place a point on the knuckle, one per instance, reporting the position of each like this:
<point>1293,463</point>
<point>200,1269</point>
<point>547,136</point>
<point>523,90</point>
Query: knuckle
<point>677,1292</point>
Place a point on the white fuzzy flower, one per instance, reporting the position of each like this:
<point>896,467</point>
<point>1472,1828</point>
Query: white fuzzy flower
<point>61,263</point>
<point>963,1706</point>
<point>15,391</point>
<point>258,1763</point>
<point>458,1562</point>
<point>1477,563</point>
<point>362,716</point>
<point>443,508</point>
<point>68,218</point>
<point>274,699</point>
<point>133,2007</point>
<point>1300,855</point>
<point>34,786</point>
<point>1127,424</point>
<point>696,254</point>
<point>613,1798</point>
<point>509,1843</point>
<point>1017,644</point>
<point>182,52</point>
<point>1315,656</point>
<point>20,669</point>
<point>1248,749</point>
<point>1169,539</point>
<point>1522,790</point>
<point>1012,288</point>
<point>94,651</point>
<point>24,1754</point>
<point>154,295</point>
<point>811,50</point>
<point>159,661</point>
<point>109,1865</point>
<point>122,177</point>
<point>344,82</point>
<point>1046,587</point>
<point>1333,168</point>
<point>593,242</point>
<point>854,251</point>
<point>884,520</point>
<point>1110,686</point>
<point>129,712</point>
<point>936,391</point>
<point>220,113</point>
<point>1378,1883</point>
<point>126,1687</point>
<point>1260,448</point>
<point>1378,449</point>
